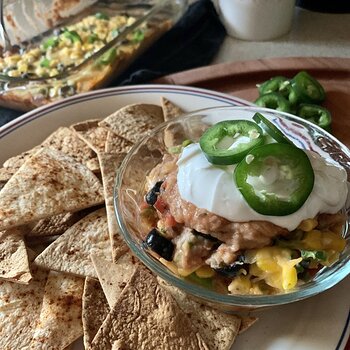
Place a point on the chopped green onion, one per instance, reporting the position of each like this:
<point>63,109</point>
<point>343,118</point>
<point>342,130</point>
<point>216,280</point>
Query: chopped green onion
<point>50,42</point>
<point>138,36</point>
<point>100,15</point>
<point>72,35</point>
<point>45,62</point>
<point>313,254</point>
<point>92,38</point>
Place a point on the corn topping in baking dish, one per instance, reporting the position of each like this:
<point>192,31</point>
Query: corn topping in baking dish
<point>70,46</point>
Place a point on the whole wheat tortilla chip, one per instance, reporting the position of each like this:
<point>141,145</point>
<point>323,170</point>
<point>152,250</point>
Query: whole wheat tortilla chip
<point>95,309</point>
<point>114,276</point>
<point>57,224</point>
<point>66,141</point>
<point>134,121</point>
<point>14,163</point>
<point>146,316</point>
<point>20,306</point>
<point>47,184</point>
<point>14,264</point>
<point>63,140</point>
<point>93,135</point>
<point>71,251</point>
<point>247,322</point>
<point>60,315</point>
<point>218,329</point>
<point>117,144</point>
<point>109,164</point>
<point>170,110</point>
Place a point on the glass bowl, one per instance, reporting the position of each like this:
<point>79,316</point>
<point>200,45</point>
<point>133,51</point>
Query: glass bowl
<point>129,192</point>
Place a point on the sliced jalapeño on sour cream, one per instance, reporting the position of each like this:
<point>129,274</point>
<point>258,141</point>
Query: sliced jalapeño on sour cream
<point>275,179</point>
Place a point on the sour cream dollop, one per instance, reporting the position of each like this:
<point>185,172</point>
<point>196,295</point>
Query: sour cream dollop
<point>213,188</point>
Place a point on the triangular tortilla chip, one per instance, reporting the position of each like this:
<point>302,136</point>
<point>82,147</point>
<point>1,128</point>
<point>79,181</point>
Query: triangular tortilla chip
<point>14,264</point>
<point>247,322</point>
<point>48,183</point>
<point>20,309</point>
<point>93,135</point>
<point>12,164</point>
<point>109,164</point>
<point>219,330</point>
<point>71,251</point>
<point>146,316</point>
<point>95,310</point>
<point>57,224</point>
<point>117,144</point>
<point>170,110</point>
<point>114,276</point>
<point>66,141</point>
<point>63,140</point>
<point>60,316</point>
<point>133,121</point>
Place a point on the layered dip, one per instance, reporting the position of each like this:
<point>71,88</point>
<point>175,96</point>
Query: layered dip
<point>245,211</point>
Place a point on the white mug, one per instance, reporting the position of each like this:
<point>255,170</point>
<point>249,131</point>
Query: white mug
<point>256,20</point>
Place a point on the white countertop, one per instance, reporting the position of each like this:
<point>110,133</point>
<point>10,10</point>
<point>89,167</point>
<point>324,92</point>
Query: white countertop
<point>312,34</point>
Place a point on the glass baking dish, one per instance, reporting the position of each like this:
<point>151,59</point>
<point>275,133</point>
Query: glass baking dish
<point>79,50</point>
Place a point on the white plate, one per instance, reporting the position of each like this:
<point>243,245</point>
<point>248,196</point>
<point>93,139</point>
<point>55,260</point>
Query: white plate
<point>321,322</point>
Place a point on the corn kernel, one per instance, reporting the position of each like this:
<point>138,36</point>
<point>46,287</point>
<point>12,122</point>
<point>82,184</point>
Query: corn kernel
<point>186,272</point>
<point>240,285</point>
<point>308,225</point>
<point>312,240</point>
<point>205,271</point>
<point>14,73</point>
<point>170,265</point>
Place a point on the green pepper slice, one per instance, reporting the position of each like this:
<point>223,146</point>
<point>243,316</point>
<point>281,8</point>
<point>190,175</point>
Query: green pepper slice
<point>316,114</point>
<point>274,100</point>
<point>108,57</point>
<point>271,129</point>
<point>308,89</point>
<point>275,84</point>
<point>228,142</point>
<point>275,179</point>
<point>72,35</point>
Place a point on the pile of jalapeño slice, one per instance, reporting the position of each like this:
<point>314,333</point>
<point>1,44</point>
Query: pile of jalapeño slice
<point>274,178</point>
<point>301,95</point>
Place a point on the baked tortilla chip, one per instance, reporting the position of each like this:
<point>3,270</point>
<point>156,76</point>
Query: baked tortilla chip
<point>66,141</point>
<point>114,276</point>
<point>219,330</point>
<point>14,264</point>
<point>109,164</point>
<point>60,316</point>
<point>170,110</point>
<point>57,224</point>
<point>133,121</point>
<point>93,135</point>
<point>20,306</point>
<point>146,316</point>
<point>63,140</point>
<point>71,251</point>
<point>117,144</point>
<point>247,322</point>
<point>48,183</point>
<point>95,310</point>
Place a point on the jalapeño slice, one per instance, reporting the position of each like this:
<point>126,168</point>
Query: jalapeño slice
<point>275,84</point>
<point>275,179</point>
<point>271,129</point>
<point>228,142</point>
<point>308,89</point>
<point>316,114</point>
<point>274,100</point>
